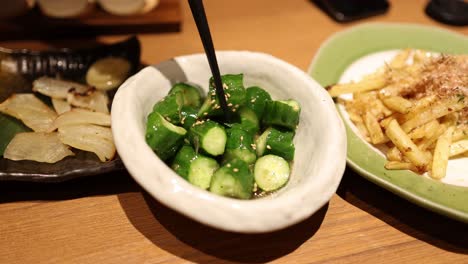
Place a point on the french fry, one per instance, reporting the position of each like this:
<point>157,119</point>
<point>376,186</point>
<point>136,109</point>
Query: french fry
<point>441,154</point>
<point>422,122</point>
<point>398,165</point>
<point>458,147</point>
<point>421,55</point>
<point>460,132</point>
<point>363,130</point>
<point>375,132</point>
<point>407,147</point>
<point>425,131</point>
<point>400,59</point>
<point>438,110</point>
<point>365,85</point>
<point>381,110</point>
<point>420,105</point>
<point>393,154</point>
<point>355,117</point>
<point>398,104</point>
<point>427,143</point>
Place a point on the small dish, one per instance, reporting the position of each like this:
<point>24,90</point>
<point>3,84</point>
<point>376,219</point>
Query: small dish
<point>360,50</point>
<point>319,161</point>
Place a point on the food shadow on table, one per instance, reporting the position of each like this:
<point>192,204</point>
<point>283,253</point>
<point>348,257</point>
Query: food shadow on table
<point>186,238</point>
<point>415,221</point>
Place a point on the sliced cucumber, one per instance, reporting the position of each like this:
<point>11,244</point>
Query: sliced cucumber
<point>234,179</point>
<point>188,116</point>
<point>271,172</point>
<point>282,113</point>
<point>277,142</point>
<point>256,99</point>
<point>195,168</point>
<point>169,107</point>
<point>234,90</point>
<point>261,142</point>
<point>162,136</point>
<point>239,146</point>
<point>192,96</point>
<point>249,120</point>
<point>183,159</point>
<point>208,136</point>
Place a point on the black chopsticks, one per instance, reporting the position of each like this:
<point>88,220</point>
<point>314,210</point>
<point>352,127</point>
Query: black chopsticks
<point>198,12</point>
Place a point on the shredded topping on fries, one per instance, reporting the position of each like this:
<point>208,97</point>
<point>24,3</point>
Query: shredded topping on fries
<point>443,76</point>
<point>416,105</point>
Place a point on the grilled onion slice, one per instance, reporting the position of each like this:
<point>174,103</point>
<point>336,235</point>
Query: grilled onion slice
<point>81,116</point>
<point>91,138</point>
<point>57,88</point>
<point>29,109</point>
<point>60,106</point>
<point>37,146</point>
<point>91,99</point>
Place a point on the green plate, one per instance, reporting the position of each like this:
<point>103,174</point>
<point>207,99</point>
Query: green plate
<point>345,48</point>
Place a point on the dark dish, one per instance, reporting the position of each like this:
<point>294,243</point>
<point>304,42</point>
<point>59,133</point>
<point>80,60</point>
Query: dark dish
<point>19,68</point>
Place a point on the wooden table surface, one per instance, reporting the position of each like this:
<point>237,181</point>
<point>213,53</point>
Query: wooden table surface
<point>110,219</point>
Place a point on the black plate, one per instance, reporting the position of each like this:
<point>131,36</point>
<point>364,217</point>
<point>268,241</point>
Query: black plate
<point>83,163</point>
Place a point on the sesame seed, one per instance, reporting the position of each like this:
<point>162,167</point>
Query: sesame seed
<point>268,147</point>
<point>205,113</point>
<point>253,100</point>
<point>225,86</point>
<point>228,165</point>
<point>230,104</point>
<point>242,138</point>
<point>235,170</point>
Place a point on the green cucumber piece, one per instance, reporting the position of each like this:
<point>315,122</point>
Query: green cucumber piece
<point>188,116</point>
<point>249,120</point>
<point>192,95</point>
<point>234,90</point>
<point>277,142</point>
<point>239,146</point>
<point>195,168</point>
<point>282,113</point>
<point>162,136</point>
<point>182,160</point>
<point>234,179</point>
<point>256,99</point>
<point>208,136</point>
<point>169,107</point>
<point>271,172</point>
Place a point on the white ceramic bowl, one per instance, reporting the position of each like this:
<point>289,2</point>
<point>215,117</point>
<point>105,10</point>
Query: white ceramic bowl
<point>320,142</point>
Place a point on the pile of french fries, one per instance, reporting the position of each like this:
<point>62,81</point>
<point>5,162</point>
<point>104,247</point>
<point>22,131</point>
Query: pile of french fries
<point>422,133</point>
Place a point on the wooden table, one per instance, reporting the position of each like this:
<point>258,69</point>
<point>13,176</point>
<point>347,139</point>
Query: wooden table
<point>109,219</point>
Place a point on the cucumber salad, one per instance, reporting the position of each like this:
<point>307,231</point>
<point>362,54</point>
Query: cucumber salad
<point>245,157</point>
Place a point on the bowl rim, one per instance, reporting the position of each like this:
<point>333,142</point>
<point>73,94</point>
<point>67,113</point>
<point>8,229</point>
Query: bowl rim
<point>246,216</point>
